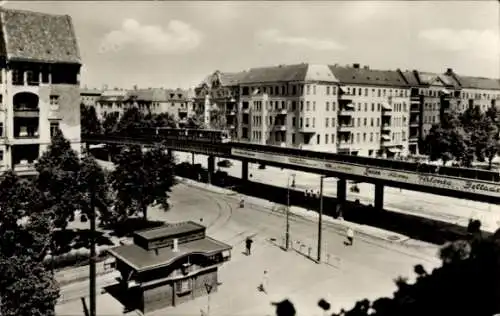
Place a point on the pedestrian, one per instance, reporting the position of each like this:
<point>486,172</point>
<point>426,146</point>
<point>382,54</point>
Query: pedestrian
<point>248,245</point>
<point>242,203</point>
<point>263,287</point>
<point>350,236</point>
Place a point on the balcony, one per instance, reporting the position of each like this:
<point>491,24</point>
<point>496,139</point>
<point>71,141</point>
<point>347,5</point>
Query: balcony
<point>25,105</point>
<point>282,111</point>
<point>307,129</point>
<point>413,138</point>
<point>346,109</point>
<point>246,110</point>
<point>231,112</point>
<point>346,128</point>
<point>26,112</point>
<point>415,108</point>
<point>414,123</point>
<point>414,99</point>
<point>280,127</point>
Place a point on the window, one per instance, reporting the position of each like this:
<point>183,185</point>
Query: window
<point>365,120</point>
<point>327,106</point>
<point>308,89</point>
<point>293,121</point>
<point>326,122</point>
<point>333,122</point>
<point>326,138</point>
<point>314,105</point>
<point>371,122</point>
<point>307,122</point>
<point>366,92</point>
<point>301,121</point>
<point>318,139</point>
<point>294,90</point>
<point>293,138</point>
<point>314,122</point>
<point>302,105</point>
<point>314,89</point>
<point>333,138</point>
<point>333,106</point>
<point>1,129</point>
<point>364,137</point>
<point>54,127</point>
<point>183,286</point>
<point>308,106</point>
<point>358,137</point>
<point>359,121</point>
<point>371,137</point>
<point>294,105</point>
<point>378,121</point>
<point>366,107</point>
<point>54,101</point>
<point>373,107</point>
<point>1,156</point>
<point>359,91</point>
<point>327,90</point>
<point>378,93</point>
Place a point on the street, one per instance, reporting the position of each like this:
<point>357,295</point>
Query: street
<point>368,267</point>
<point>452,210</point>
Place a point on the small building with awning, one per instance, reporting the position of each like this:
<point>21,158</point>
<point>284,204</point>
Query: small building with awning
<point>168,265</point>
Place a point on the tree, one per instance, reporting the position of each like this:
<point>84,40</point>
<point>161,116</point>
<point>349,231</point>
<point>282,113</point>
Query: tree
<point>110,122</point>
<point>131,120</point>
<point>160,120</point>
<point>196,122</point>
<point>141,179</point>
<point>89,122</point>
<point>218,118</point>
<point>466,284</point>
<point>57,180</point>
<point>26,287</point>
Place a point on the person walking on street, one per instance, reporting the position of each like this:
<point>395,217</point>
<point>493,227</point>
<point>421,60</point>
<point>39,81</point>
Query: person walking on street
<point>248,244</point>
<point>350,236</point>
<point>263,287</point>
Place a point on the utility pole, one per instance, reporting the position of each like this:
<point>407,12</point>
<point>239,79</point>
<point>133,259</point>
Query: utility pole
<point>92,249</point>
<point>320,220</point>
<point>287,234</point>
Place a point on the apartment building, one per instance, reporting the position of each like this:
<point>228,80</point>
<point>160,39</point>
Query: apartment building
<point>115,100</point>
<point>39,86</point>
<point>89,97</point>
<point>344,109</point>
<point>177,103</point>
<point>373,117</point>
<point>215,100</point>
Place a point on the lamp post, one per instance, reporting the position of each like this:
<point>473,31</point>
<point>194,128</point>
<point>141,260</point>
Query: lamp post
<point>320,219</point>
<point>287,234</point>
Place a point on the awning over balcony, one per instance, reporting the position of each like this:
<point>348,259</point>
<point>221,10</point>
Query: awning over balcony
<point>386,107</point>
<point>350,105</point>
<point>385,137</point>
<point>343,89</point>
<point>445,91</point>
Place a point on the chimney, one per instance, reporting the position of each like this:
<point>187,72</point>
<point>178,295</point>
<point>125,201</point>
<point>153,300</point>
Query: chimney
<point>449,71</point>
<point>355,66</point>
<point>175,246</point>
<point>366,67</point>
<point>135,87</point>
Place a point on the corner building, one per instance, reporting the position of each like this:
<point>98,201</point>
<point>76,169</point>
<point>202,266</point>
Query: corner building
<point>39,86</point>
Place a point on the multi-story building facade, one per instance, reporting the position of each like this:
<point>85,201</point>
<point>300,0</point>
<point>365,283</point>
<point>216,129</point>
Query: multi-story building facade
<point>177,103</point>
<point>39,86</point>
<point>89,97</point>
<point>344,109</point>
<point>116,100</point>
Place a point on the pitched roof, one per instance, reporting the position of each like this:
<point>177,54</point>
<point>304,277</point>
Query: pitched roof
<point>87,91</point>
<point>351,75</point>
<point>141,259</point>
<point>281,73</point>
<point>169,230</point>
<point>410,78</point>
<point>158,94</point>
<point>479,83</point>
<point>41,37</point>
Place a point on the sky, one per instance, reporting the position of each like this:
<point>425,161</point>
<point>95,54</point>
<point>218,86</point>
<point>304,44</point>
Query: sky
<point>177,44</point>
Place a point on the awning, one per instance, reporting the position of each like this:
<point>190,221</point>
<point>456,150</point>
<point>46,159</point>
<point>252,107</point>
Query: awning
<point>385,137</point>
<point>394,150</point>
<point>349,105</point>
<point>445,91</point>
<point>386,106</point>
<point>343,89</point>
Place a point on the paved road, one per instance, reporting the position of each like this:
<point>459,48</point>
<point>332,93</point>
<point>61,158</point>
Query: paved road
<point>365,270</point>
<point>447,209</point>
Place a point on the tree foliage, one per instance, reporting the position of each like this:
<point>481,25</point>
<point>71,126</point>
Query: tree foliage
<point>64,181</point>
<point>26,287</point>
<point>110,123</point>
<point>472,135</point>
<point>57,180</point>
<point>90,124</point>
<point>141,179</point>
<point>466,284</point>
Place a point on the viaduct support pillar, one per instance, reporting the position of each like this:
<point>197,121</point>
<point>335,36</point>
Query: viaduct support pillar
<point>379,196</point>
<point>211,168</point>
<point>244,170</point>
<point>192,159</point>
<point>341,191</point>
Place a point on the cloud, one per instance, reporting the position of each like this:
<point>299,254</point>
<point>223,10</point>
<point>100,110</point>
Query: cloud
<point>483,43</point>
<point>275,36</point>
<point>177,37</point>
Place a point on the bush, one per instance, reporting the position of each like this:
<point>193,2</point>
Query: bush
<point>72,259</point>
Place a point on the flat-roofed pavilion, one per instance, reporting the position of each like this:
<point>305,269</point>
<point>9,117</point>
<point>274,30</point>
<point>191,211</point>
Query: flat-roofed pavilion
<point>170,264</point>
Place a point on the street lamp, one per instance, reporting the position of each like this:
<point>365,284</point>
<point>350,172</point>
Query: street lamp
<point>287,234</point>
